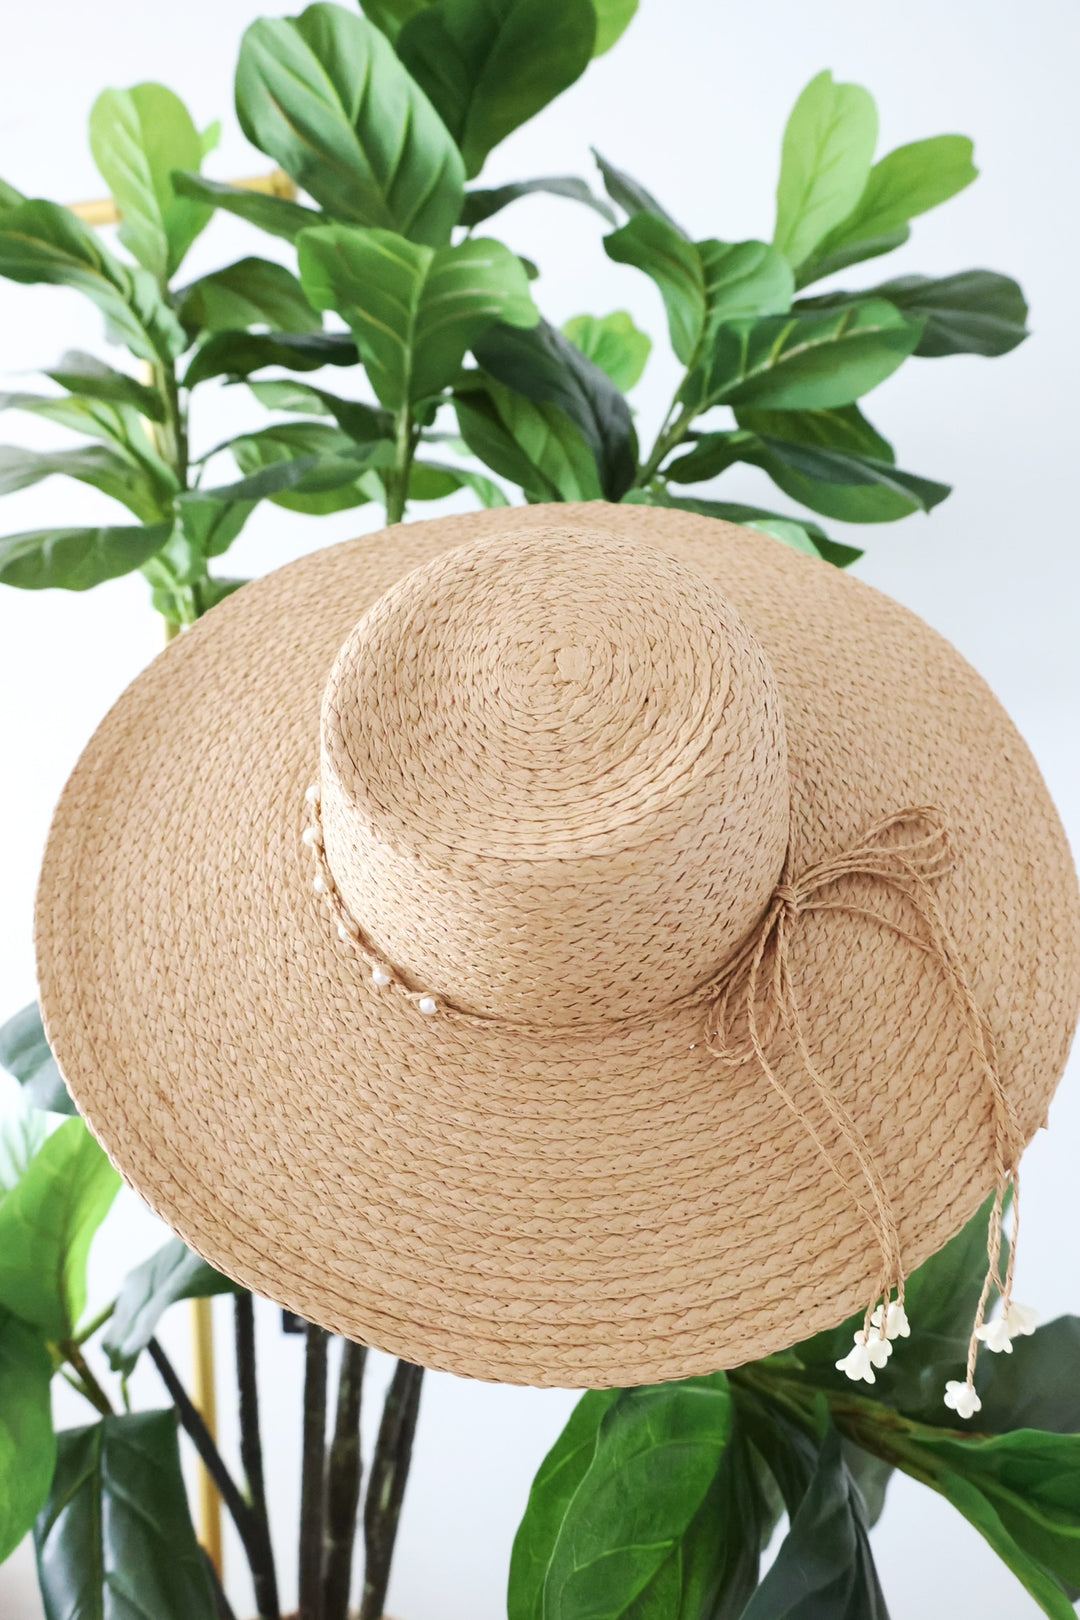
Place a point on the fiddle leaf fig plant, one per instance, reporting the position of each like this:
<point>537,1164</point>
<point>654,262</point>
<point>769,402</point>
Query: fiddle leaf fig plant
<point>400,354</point>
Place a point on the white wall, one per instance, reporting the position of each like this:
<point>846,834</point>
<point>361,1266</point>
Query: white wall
<point>693,102</point>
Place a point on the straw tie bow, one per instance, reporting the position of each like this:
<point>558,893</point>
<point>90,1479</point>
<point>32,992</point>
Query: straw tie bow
<point>905,854</point>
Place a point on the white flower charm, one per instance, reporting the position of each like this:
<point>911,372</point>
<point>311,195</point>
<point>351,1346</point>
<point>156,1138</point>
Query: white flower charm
<point>995,1336</point>
<point>1021,1320</point>
<point>962,1398</point>
<point>897,1325</point>
<point>880,1350</point>
<point>859,1363</point>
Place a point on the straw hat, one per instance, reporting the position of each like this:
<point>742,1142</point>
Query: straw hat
<point>583,945</point>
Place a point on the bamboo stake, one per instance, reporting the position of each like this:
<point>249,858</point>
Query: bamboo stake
<point>204,1390</point>
<point>103,211</point>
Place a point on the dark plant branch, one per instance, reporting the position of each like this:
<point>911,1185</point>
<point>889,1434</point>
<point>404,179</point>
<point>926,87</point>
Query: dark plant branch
<point>266,1593</point>
<point>191,1421</point>
<point>386,1487</point>
<point>221,1603</point>
<point>313,1476</point>
<point>343,1484</point>
<point>88,1384</point>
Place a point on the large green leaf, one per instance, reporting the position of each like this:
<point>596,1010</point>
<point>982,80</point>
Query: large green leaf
<point>548,369</point>
<point>325,96</point>
<point>391,15</point>
<point>42,242</point>
<point>10,197</point>
<point>341,475</point>
<point>138,137</point>
<point>77,559</point>
<point>47,1223</point>
<point>490,65</point>
<point>828,148</point>
<point>824,1566</point>
<point>208,525</point>
<point>809,361</point>
<point>613,18</point>
<point>115,1540</point>
<point>552,1491</point>
<point>26,1054</point>
<point>482,204</point>
<point>630,195</point>
<point>90,378</point>
<point>22,1132</point>
<point>94,464</point>
<point>27,1442</point>
<point>238,354</point>
<point>172,1273</point>
<point>536,446</point>
<point>813,538</point>
<point>1038,1385</point>
<point>413,310</point>
<point>435,480</point>
<point>278,216</point>
<point>975,312</point>
<point>907,182</point>
<point>361,422</point>
<point>613,343</point>
<point>703,283</point>
<point>251,292</point>
<point>665,1519</point>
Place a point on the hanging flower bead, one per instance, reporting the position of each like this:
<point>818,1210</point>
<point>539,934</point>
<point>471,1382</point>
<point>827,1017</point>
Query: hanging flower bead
<point>897,1325</point>
<point>880,1350</point>
<point>962,1398</point>
<point>995,1335</point>
<point>1020,1320</point>
<point>857,1363</point>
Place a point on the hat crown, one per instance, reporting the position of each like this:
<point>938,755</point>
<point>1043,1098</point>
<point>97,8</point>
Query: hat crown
<point>554,777</point>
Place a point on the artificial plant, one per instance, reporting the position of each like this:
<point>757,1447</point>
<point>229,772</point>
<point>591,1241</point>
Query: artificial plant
<point>655,1503</point>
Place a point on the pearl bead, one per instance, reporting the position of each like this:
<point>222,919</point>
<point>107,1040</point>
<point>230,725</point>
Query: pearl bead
<point>342,932</point>
<point>312,837</point>
<point>380,976</point>
<point>320,884</point>
<point>312,794</point>
<point>428,1005</point>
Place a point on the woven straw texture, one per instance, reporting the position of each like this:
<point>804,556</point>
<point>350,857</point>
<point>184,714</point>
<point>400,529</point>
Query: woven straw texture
<point>559,757</point>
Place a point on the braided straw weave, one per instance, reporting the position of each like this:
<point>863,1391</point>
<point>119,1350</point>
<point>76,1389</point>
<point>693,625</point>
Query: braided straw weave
<point>447,1053</point>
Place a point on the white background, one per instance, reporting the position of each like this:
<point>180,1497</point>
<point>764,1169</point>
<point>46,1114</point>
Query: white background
<point>693,102</point>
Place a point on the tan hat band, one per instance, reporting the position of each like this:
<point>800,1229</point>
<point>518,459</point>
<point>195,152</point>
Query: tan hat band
<point>903,854</point>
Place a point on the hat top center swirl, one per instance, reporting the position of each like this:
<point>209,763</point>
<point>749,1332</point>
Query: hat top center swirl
<point>554,776</point>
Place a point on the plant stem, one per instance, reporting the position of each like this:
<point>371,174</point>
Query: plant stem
<point>669,436</point>
<point>94,1324</point>
<point>343,1484</point>
<point>239,1510</point>
<point>93,1391</point>
<point>397,480</point>
<point>313,1476</point>
<point>386,1487</point>
<point>266,1593</point>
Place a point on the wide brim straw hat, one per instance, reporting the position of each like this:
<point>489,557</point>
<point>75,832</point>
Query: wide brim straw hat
<point>585,945</point>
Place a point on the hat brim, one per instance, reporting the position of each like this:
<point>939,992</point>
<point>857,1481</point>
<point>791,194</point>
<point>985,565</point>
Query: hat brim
<point>600,1206</point>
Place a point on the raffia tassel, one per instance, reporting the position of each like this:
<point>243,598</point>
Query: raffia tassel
<point>1015,1321</point>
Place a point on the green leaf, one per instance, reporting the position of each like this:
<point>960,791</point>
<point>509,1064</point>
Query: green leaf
<point>907,182</point>
<point>803,362</point>
<point>712,454</point>
<point>552,1491</point>
<point>613,18</point>
<point>238,354</point>
<point>210,137</point>
<point>172,1273</point>
<point>77,559</point>
<point>613,343</point>
<point>338,472</point>
<point>115,1541</point>
<point>435,480</point>
<point>625,1529</point>
<point>491,65</point>
<point>828,148</point>
<point>630,195</point>
<point>22,1131</point>
<point>208,525</point>
<point>480,204</point>
<point>26,1054</point>
<point>40,242</point>
<point>87,376</point>
<point>1038,1385</point>
<point>815,269</point>
<point>872,1475</point>
<point>361,422</point>
<point>391,15</point>
<point>975,312</point>
<point>413,310</point>
<point>9,196</point>
<point>93,464</point>
<point>27,1442</point>
<point>703,283</point>
<point>548,369</point>
<point>750,517</point>
<point>324,95</point>
<point>46,1226</point>
<point>278,216</point>
<point>536,446</point>
<point>824,1566</point>
<point>138,137</point>
<point>251,292</point>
